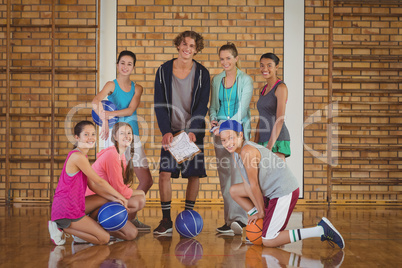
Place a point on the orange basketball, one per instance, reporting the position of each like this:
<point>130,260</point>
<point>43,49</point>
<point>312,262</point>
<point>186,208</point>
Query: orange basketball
<point>254,257</point>
<point>254,232</point>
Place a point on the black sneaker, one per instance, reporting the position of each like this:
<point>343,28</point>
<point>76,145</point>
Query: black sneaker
<point>237,227</point>
<point>224,229</point>
<point>165,226</point>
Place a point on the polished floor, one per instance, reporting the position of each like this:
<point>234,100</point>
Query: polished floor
<point>372,234</point>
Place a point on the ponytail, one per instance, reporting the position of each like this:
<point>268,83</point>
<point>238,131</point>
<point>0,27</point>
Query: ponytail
<point>128,174</point>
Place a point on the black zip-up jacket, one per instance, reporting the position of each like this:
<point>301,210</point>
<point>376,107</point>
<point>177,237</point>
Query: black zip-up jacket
<point>199,101</point>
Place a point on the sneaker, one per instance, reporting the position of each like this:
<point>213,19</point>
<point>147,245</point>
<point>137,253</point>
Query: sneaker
<point>56,255</point>
<point>115,239</point>
<point>225,235</point>
<point>142,227</point>
<point>237,227</point>
<point>76,247</point>
<point>56,234</point>
<point>330,233</point>
<point>333,261</point>
<point>236,243</point>
<point>224,229</point>
<point>247,241</point>
<point>165,226</point>
<point>79,240</point>
<point>163,237</point>
<point>165,241</point>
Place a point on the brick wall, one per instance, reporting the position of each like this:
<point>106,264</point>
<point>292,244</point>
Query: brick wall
<point>367,84</point>
<point>366,126</point>
<point>147,27</point>
<point>315,98</point>
<point>31,62</point>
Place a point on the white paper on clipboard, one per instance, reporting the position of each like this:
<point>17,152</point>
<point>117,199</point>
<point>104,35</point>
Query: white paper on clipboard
<point>182,148</point>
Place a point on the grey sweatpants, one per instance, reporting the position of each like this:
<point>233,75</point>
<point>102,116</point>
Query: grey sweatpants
<point>228,175</point>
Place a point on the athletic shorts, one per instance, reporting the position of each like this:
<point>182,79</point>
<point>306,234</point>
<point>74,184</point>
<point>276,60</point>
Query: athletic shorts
<point>277,214</point>
<point>65,223</point>
<point>282,147</point>
<point>191,168</point>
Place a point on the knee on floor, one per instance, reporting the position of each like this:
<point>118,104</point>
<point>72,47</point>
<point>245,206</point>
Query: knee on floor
<point>270,242</point>
<point>132,234</point>
<point>103,239</point>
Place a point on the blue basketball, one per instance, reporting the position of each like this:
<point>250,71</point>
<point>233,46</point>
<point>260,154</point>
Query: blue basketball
<point>112,216</point>
<point>107,106</point>
<point>188,251</point>
<point>189,223</point>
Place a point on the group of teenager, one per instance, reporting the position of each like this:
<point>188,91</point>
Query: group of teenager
<point>255,181</point>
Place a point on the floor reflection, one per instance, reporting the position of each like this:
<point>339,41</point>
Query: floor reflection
<point>188,251</point>
<point>257,256</point>
<point>372,236</point>
<point>114,255</point>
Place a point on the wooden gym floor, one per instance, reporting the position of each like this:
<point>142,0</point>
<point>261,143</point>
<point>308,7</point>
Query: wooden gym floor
<point>372,234</point>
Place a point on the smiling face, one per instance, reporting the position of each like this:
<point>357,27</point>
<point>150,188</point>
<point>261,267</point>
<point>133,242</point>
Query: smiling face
<point>231,140</point>
<point>123,137</point>
<point>187,48</point>
<point>125,66</point>
<point>228,61</point>
<point>268,68</point>
<point>87,137</point>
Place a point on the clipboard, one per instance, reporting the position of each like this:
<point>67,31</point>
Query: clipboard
<point>182,149</point>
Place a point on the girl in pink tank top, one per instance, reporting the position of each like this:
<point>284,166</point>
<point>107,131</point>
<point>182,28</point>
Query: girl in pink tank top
<point>70,207</point>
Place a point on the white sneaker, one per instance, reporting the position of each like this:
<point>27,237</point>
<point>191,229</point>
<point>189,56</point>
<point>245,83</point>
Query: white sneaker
<point>56,235</point>
<point>237,227</point>
<point>76,247</point>
<point>79,240</point>
<point>55,256</point>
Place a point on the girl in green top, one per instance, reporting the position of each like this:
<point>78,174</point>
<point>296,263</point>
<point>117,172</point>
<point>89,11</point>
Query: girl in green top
<point>231,93</point>
<point>271,128</point>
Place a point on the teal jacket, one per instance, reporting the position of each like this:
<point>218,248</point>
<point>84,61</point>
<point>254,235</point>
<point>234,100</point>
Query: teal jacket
<point>244,94</point>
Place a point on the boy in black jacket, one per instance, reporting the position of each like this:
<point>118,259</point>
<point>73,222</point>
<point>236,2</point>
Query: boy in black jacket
<point>181,98</point>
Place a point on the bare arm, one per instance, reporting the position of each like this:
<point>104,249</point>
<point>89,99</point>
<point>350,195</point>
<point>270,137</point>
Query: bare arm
<point>138,192</point>
<point>96,183</point>
<point>251,157</point>
<point>98,108</point>
<point>257,132</point>
<point>96,102</point>
<point>135,102</point>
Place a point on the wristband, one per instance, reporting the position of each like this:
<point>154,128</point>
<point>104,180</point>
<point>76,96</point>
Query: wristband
<point>253,211</point>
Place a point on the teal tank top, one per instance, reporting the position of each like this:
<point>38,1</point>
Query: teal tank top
<point>229,103</point>
<point>122,100</point>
